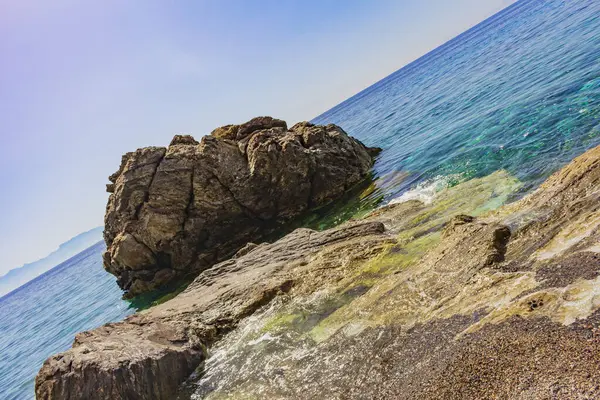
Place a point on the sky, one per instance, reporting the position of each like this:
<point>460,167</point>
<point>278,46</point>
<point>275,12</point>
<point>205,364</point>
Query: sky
<point>82,82</point>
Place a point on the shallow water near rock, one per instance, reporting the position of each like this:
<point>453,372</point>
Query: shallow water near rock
<point>519,93</point>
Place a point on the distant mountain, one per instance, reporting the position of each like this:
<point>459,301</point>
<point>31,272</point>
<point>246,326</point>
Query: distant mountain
<point>19,276</point>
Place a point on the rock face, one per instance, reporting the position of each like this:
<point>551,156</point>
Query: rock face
<point>175,211</point>
<point>148,355</point>
<point>457,299</point>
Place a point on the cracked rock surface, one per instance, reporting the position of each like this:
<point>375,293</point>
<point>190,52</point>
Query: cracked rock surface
<point>176,211</point>
<point>151,353</point>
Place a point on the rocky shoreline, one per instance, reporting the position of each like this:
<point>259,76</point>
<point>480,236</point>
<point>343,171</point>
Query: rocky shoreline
<point>458,299</point>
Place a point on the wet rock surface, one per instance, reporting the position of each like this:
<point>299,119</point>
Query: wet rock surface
<point>457,299</point>
<point>149,354</point>
<point>176,211</point>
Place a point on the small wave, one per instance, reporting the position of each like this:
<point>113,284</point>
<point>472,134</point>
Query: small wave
<point>427,190</point>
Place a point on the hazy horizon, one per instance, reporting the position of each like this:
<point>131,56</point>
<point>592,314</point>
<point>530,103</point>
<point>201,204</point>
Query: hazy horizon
<point>3,274</point>
<point>86,83</point>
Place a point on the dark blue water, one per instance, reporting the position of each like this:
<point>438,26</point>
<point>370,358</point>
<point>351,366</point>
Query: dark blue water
<point>520,92</point>
<point>42,317</point>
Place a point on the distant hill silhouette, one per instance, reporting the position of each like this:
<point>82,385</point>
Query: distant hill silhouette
<point>21,275</point>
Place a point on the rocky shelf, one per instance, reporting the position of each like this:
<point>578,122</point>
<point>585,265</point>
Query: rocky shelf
<point>453,299</point>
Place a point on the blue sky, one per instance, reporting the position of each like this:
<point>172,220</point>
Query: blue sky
<point>82,82</point>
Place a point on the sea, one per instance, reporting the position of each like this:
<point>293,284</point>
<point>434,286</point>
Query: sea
<point>519,92</point>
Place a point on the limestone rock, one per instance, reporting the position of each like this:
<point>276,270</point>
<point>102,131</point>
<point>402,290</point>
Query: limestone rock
<point>178,210</point>
<point>184,140</point>
<point>148,355</point>
<point>415,301</point>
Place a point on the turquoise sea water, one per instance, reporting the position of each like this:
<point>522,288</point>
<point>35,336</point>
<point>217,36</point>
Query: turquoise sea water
<point>520,92</point>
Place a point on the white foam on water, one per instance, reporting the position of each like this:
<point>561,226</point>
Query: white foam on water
<point>426,191</point>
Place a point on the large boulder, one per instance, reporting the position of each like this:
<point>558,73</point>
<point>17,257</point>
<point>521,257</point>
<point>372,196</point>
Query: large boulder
<point>175,211</point>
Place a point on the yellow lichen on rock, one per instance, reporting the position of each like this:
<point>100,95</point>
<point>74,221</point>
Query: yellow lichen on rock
<point>564,305</point>
<point>569,236</point>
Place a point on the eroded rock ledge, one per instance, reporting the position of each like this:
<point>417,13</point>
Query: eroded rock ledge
<point>450,300</point>
<point>175,211</point>
<point>149,354</point>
